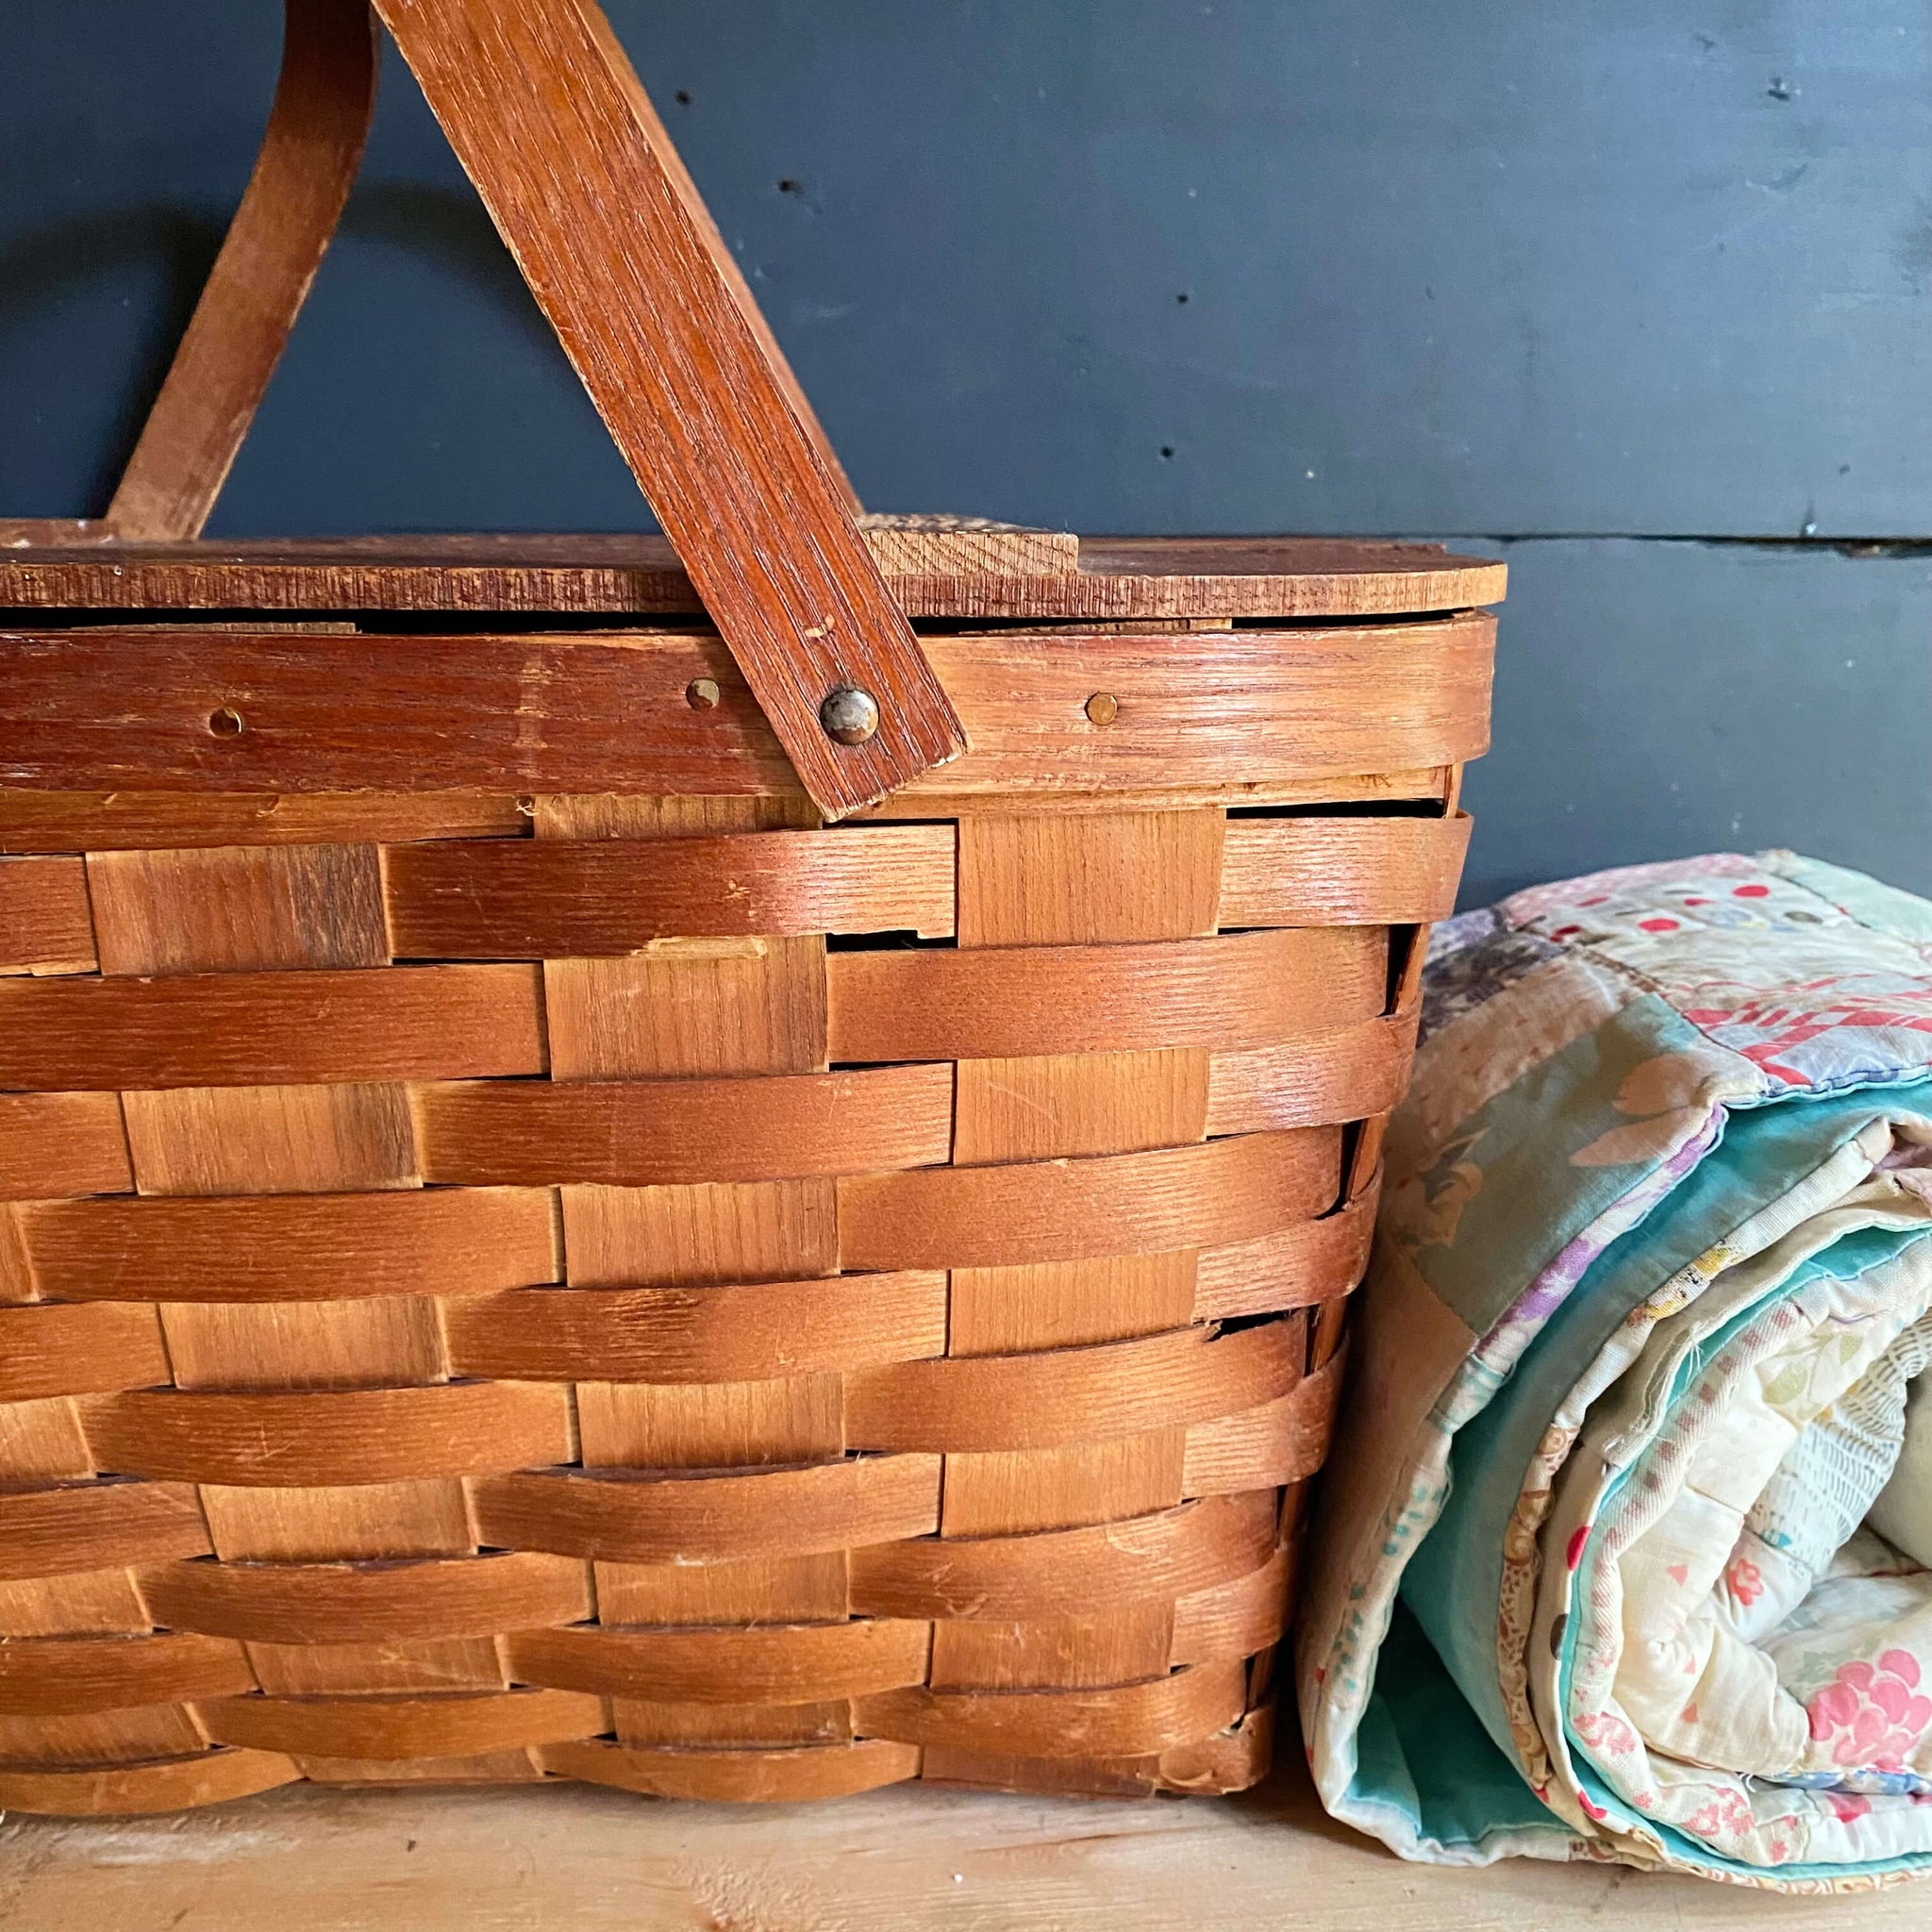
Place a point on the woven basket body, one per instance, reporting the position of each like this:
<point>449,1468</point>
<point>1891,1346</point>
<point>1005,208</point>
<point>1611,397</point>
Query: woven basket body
<point>658,1178</point>
<point>505,1279</point>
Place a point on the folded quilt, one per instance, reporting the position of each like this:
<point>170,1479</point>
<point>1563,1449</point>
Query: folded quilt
<point>1625,1543</point>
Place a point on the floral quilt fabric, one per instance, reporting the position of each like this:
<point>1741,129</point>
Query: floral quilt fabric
<point>1623,1551</point>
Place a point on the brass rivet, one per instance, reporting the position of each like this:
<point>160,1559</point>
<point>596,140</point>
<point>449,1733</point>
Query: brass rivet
<point>702,694</point>
<point>849,715</point>
<point>1103,708</point>
<point>225,721</point>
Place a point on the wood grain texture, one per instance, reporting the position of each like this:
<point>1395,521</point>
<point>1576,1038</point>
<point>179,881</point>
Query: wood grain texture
<point>639,1132</point>
<point>246,1140</point>
<point>246,1029</point>
<point>695,1006</point>
<point>1094,1337</point>
<point>550,898</point>
<point>1240,989</point>
<point>908,1857</point>
<point>1179,1197</point>
<point>1079,880</point>
<point>1320,871</point>
<point>1002,1310</point>
<point>1354,1070</point>
<point>1123,1720</point>
<point>1236,1619</point>
<point>705,230</point>
<point>62,1143</point>
<point>291,1247</point>
<point>689,1007</point>
<point>316,130</point>
<point>1212,707</point>
<point>602,225</point>
<point>65,1676</point>
<point>737,1332</point>
<point>1280,1440</point>
<point>241,908</point>
<point>46,924</point>
<point>1021,1442</point>
<point>596,713</point>
<point>67,1527</point>
<point>56,1348</point>
<point>924,546</point>
<point>65,1541</point>
<point>238,910</point>
<point>782,1663</point>
<point>453,1724</point>
<point>1067,1572</point>
<point>1313,1262</point>
<point>160,1785</point>
<point>1119,579</point>
<point>67,820</point>
<point>783,1775</point>
<point>1044,1106</point>
<point>1060,1654</point>
<point>266,912</point>
<point>472,1387</point>
<point>369,1602</point>
<point>697,1518</point>
<point>701,1234</point>
<point>1069,1395</point>
<point>331,1437</point>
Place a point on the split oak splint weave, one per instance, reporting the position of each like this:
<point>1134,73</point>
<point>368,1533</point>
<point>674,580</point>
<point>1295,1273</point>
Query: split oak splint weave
<point>524,1251</point>
<point>379,1406</point>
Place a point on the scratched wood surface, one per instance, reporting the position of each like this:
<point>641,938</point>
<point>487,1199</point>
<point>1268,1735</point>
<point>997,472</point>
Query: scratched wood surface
<point>516,1858</point>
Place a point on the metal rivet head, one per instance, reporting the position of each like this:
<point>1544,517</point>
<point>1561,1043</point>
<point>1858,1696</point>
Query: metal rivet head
<point>702,694</point>
<point>849,715</point>
<point>1103,708</point>
<point>226,722</point>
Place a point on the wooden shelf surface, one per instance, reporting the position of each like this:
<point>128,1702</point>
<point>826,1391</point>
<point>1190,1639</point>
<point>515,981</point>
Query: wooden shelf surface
<point>506,1860</point>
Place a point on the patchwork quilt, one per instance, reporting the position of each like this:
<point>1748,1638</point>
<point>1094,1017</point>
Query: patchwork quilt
<point>1625,1547</point>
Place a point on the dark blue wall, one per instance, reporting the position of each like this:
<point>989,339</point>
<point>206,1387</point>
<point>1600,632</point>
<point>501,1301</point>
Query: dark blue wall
<point>1583,276</point>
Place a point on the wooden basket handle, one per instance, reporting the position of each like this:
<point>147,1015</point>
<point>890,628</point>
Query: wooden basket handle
<point>316,132</point>
<point>551,124</point>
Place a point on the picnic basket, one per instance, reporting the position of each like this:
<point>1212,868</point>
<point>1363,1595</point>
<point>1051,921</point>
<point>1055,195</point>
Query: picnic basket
<point>725,1164</point>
